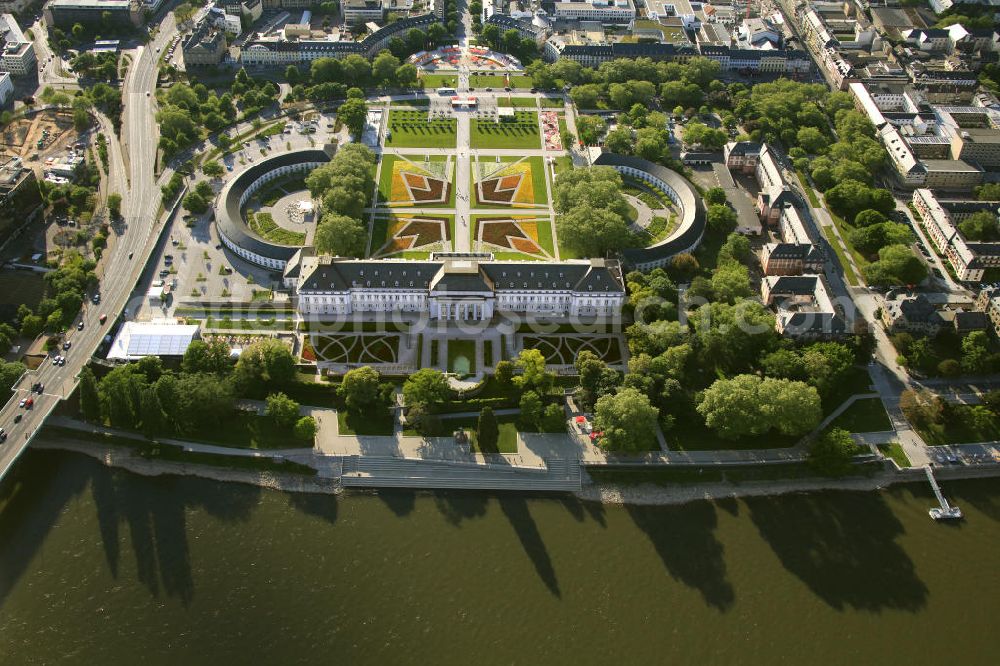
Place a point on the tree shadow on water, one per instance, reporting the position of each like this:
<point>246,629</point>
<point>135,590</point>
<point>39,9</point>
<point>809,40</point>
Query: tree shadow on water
<point>683,537</point>
<point>321,506</point>
<point>580,510</point>
<point>843,546</point>
<point>400,502</point>
<point>457,506</point>
<point>515,507</point>
<point>155,512</point>
<point>32,498</point>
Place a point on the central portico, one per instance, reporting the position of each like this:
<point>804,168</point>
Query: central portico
<point>461,291</point>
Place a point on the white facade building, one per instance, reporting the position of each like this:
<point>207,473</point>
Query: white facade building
<point>460,288</point>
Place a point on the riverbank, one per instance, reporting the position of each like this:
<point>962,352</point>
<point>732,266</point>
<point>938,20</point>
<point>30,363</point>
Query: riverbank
<point>124,458</point>
<point>643,494</point>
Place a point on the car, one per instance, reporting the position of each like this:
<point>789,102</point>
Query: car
<point>506,89</point>
<point>3,436</point>
<point>39,388</point>
<point>168,257</point>
<point>24,401</point>
<point>62,361</point>
<point>96,298</point>
<point>219,246</point>
<point>147,93</point>
<point>489,90</point>
<point>130,255</point>
<point>55,361</point>
<point>174,241</point>
<point>17,418</point>
<point>164,273</point>
<point>29,403</point>
<point>103,318</point>
<point>79,326</point>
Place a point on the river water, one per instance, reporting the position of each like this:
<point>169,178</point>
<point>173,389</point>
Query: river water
<point>102,566</point>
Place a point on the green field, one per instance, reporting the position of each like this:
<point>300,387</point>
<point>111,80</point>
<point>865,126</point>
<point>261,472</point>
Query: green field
<point>264,226</point>
<point>444,427</point>
<point>521,132</point>
<point>895,451</point>
<point>517,102</point>
<point>378,423</point>
<point>487,81</point>
<point>865,415</point>
<point>412,129</point>
<point>439,80</point>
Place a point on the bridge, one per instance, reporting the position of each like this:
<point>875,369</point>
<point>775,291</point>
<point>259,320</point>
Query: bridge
<point>140,206</point>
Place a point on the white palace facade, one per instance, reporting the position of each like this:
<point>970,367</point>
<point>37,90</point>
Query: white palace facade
<point>458,287</point>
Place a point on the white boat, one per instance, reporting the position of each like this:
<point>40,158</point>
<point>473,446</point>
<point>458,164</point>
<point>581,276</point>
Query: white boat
<point>951,513</point>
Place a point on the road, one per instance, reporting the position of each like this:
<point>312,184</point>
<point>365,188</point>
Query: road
<point>141,200</point>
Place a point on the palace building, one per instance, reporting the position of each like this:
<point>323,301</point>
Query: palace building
<point>456,286</point>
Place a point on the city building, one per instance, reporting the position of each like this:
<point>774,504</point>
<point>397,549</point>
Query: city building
<point>279,51</point>
<point>460,288</point>
<point>357,12</point>
<point>6,87</point>
<point>17,54</point>
<point>988,302</point>
<point>802,305</point>
<point>941,218</point>
<point>616,12</point>
<point>206,45</point>
<point>64,13</point>
<point>791,259</point>
<point>911,313</point>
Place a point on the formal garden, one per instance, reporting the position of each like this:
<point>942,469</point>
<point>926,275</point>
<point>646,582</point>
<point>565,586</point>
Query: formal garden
<point>518,237</point>
<point>518,131</point>
<point>355,348</point>
<point>506,182</point>
<point>564,349</point>
<point>412,237</point>
<point>412,128</point>
<point>423,182</point>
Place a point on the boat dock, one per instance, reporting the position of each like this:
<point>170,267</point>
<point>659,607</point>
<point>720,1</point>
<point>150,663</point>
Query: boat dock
<point>945,511</point>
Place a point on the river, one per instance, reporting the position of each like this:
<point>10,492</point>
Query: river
<point>102,566</point>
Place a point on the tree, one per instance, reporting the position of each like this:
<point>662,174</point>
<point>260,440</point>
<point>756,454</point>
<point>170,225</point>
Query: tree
<point>202,356</point>
<point>590,129</point>
<point>353,114</point>
<point>406,74</point>
<point>213,168</point>
<point>282,410</point>
<point>596,378</point>
<point>531,409</point>
<point>265,363</point>
<point>749,405</point>
<point>721,218</point>
<point>487,431</point>
<point>707,137</point>
<point>593,232</point>
<point>626,421</point>
<point>195,202</point>
<point>976,353</point>
<point>812,140</point>
<point>869,217</point>
<point>341,236</point>
<point>736,248</point>
<point>533,376</point>
<point>150,413</point>
<point>305,429</point>
<point>896,265</point>
<point>831,454</point>
<point>731,282</point>
<point>684,266</point>
<point>504,373</point>
<point>426,387</point>
<point>715,195</point>
<point>384,68</point>
<point>980,226</point>
<point>115,205</point>
<point>10,372</point>
<point>195,402</point>
<point>360,389</point>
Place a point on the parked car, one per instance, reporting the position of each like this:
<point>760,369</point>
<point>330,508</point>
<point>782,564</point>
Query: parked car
<point>79,326</point>
<point>103,318</point>
<point>17,418</point>
<point>67,345</point>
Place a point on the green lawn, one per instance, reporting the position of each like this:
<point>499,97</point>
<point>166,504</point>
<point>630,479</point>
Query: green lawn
<point>563,163</point>
<point>895,451</point>
<point>439,80</point>
<point>521,82</point>
<point>521,132</point>
<point>831,238</point>
<point>865,415</point>
<point>444,427</point>
<point>459,349</point>
<point>412,129</point>
<point>371,423</point>
<point>517,102</point>
<point>488,81</point>
<point>691,434</point>
<point>552,103</point>
<point>263,225</point>
<point>245,430</point>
